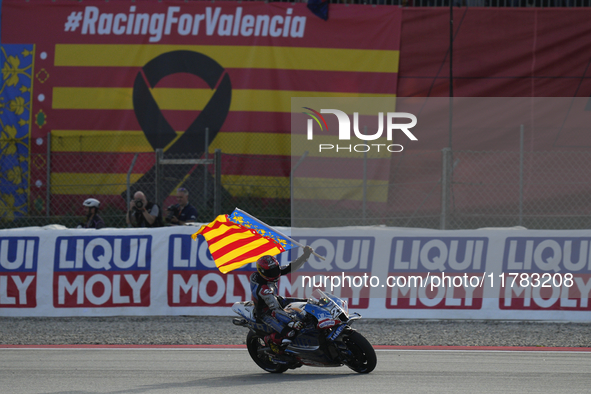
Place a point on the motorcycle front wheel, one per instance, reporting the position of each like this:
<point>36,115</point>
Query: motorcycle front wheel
<point>253,344</point>
<point>363,358</point>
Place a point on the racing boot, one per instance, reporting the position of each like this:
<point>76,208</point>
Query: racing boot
<point>279,341</point>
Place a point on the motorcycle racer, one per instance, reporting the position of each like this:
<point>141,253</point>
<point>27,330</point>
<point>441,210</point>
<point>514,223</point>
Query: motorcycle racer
<point>268,304</point>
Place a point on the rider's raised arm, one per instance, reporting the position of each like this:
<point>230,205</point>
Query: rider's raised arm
<point>297,264</point>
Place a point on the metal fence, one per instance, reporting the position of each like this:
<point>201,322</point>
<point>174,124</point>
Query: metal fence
<point>467,190</point>
<point>72,177</point>
<point>457,3</point>
<point>462,3</point>
<point>432,189</point>
<point>537,190</point>
<point>474,3</point>
<point>61,178</point>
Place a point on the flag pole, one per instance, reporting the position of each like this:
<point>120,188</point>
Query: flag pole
<point>277,231</point>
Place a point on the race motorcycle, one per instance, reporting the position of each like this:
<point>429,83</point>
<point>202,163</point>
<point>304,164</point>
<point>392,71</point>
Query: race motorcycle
<point>326,340</point>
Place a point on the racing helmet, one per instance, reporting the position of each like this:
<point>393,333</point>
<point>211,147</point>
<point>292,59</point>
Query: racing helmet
<point>91,202</point>
<point>268,268</point>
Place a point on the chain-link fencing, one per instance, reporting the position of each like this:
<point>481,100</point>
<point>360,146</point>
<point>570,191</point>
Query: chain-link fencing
<point>402,190</point>
<point>463,190</point>
<point>461,3</point>
<point>72,177</point>
<point>537,190</point>
<point>112,168</point>
<point>430,189</point>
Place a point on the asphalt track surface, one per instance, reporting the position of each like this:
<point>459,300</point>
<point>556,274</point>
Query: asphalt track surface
<point>191,369</point>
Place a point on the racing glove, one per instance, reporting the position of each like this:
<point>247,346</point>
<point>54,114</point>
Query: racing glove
<point>296,325</point>
<point>307,252</point>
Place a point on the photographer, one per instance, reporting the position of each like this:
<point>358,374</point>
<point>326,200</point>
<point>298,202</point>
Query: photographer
<point>183,212</point>
<point>143,213</point>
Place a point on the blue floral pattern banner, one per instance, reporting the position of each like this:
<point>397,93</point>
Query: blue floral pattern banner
<point>15,126</point>
<point>242,218</point>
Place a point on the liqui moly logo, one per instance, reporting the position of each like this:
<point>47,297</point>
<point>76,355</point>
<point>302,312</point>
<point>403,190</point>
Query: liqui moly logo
<point>344,131</point>
<point>108,271</point>
<point>18,272</point>
<point>194,280</point>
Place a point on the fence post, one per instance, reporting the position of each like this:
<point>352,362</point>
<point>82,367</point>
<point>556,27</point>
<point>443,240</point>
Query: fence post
<point>157,176</point>
<point>364,204</point>
<point>364,197</point>
<point>48,181</point>
<point>128,179</point>
<point>205,170</point>
<point>291,192</point>
<point>521,176</point>
<point>217,198</point>
<point>445,186</point>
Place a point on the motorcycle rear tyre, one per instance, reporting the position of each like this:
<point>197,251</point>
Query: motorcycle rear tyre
<point>253,344</point>
<point>365,355</point>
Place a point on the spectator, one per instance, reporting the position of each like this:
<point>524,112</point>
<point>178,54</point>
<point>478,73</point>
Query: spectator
<point>183,212</point>
<point>143,213</point>
<point>93,220</point>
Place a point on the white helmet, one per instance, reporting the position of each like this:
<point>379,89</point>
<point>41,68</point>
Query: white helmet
<point>92,202</point>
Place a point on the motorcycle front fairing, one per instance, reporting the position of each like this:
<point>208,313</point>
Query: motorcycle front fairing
<point>310,349</point>
<point>321,344</point>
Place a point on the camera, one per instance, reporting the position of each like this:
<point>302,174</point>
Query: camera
<point>173,210</point>
<point>139,204</point>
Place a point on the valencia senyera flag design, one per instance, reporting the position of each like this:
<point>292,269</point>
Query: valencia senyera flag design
<point>232,245</point>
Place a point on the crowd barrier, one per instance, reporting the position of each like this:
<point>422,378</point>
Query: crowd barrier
<point>477,274</point>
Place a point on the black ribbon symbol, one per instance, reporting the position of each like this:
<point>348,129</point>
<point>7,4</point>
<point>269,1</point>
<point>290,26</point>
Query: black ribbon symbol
<point>155,126</point>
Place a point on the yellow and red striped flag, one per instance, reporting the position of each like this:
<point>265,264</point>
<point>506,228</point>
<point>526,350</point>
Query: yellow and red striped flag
<point>232,245</point>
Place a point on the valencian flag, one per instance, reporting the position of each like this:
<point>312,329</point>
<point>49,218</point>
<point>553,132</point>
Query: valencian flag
<point>233,245</point>
<point>244,219</point>
<point>15,126</point>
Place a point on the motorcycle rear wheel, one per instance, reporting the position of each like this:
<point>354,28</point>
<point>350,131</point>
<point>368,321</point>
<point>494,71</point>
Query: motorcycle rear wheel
<point>253,343</point>
<point>364,356</point>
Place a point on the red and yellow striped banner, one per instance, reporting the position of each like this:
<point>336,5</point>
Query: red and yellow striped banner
<point>89,68</point>
<point>233,246</point>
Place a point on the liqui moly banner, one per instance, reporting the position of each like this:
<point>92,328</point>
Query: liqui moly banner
<point>441,258</point>
<point>119,265</point>
<point>381,272</point>
<point>194,281</point>
<point>18,271</point>
<point>550,273</point>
